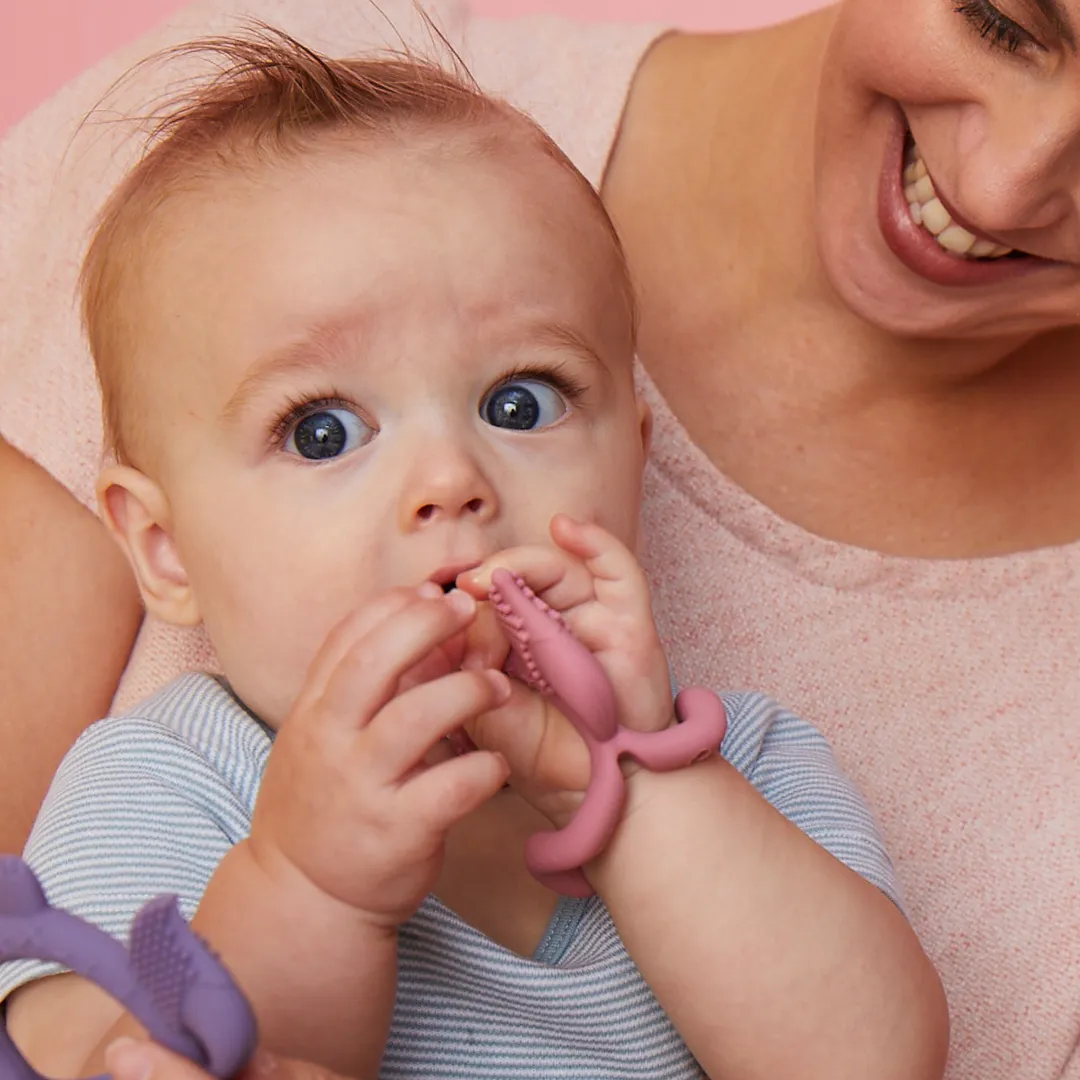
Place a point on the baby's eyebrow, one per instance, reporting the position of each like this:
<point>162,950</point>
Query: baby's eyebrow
<point>315,351</point>
<point>562,336</point>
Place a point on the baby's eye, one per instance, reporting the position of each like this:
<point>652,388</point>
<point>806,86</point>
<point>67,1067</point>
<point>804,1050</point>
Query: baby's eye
<point>523,405</point>
<point>327,433</point>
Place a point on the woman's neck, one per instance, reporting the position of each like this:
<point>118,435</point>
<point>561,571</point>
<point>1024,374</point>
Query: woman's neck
<point>849,431</point>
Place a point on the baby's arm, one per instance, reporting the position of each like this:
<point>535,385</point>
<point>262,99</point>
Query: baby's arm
<point>771,956</point>
<point>346,840</point>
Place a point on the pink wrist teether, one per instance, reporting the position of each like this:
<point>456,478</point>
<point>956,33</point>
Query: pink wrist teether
<point>547,657</point>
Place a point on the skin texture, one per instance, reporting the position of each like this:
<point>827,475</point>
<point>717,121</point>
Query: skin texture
<point>425,287</point>
<point>853,397</point>
<point>318,280</point>
<point>131,1059</point>
<point>833,407</point>
<point>862,428</point>
<point>405,310</point>
<point>74,611</point>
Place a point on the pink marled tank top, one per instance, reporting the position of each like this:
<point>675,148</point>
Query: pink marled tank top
<point>951,690</point>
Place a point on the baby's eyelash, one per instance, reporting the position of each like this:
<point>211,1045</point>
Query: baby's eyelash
<point>297,409</point>
<point>998,30</point>
<point>557,375</point>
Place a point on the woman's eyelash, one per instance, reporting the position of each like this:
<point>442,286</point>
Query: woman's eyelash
<point>992,26</point>
<point>300,408</point>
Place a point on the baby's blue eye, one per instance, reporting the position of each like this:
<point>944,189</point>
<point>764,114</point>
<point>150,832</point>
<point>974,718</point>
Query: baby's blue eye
<point>523,405</point>
<point>328,433</point>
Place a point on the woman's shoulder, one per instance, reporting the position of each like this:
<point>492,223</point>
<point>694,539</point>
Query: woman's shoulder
<point>572,77</point>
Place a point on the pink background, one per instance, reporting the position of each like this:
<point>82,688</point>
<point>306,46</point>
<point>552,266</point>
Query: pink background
<point>44,42</point>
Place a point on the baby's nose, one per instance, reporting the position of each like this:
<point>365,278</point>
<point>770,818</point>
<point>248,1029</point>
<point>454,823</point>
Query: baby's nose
<point>450,507</point>
<point>446,485</point>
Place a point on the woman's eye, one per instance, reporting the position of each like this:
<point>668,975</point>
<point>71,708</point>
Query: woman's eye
<point>327,433</point>
<point>994,27</point>
<point>523,405</point>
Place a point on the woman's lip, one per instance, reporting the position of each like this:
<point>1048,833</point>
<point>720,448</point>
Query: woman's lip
<point>915,247</point>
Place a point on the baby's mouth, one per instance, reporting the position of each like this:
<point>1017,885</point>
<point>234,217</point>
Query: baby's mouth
<point>929,212</point>
<point>446,576</point>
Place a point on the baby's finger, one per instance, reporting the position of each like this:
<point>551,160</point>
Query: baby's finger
<point>486,645</point>
<point>618,580</point>
<point>367,675</point>
<point>561,582</point>
<point>353,628</point>
<point>539,743</point>
<point>405,730</point>
<point>543,565</point>
<point>441,796</point>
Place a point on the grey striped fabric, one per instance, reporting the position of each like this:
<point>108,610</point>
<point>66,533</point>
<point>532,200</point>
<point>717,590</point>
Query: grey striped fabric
<point>150,802</point>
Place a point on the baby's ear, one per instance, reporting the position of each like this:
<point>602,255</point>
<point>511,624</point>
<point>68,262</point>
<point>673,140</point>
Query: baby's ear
<point>137,514</point>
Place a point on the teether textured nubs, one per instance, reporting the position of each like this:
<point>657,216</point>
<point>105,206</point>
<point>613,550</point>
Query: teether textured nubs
<point>553,662</point>
<point>167,978</point>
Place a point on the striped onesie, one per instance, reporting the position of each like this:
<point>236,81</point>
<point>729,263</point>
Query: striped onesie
<point>150,802</point>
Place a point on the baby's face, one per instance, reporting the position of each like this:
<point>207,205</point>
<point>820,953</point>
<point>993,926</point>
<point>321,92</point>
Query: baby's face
<point>369,369</point>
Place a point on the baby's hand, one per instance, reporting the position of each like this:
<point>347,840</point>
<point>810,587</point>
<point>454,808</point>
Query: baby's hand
<point>349,798</point>
<point>598,586</point>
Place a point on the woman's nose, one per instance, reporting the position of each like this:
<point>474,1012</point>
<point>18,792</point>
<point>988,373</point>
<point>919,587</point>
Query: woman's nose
<point>1023,178</point>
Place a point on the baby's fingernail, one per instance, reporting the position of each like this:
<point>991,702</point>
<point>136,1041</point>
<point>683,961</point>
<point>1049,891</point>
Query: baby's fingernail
<point>461,602</point>
<point>128,1060</point>
<point>430,591</point>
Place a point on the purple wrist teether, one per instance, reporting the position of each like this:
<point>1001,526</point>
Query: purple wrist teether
<point>552,661</point>
<point>167,978</point>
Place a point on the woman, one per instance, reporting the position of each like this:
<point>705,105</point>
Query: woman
<point>857,242</point>
<point>62,581</point>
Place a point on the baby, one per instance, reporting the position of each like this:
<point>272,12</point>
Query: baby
<point>364,334</point>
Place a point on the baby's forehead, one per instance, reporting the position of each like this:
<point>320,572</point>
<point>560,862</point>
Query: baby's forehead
<point>493,206</point>
<point>499,181</point>
<point>506,153</point>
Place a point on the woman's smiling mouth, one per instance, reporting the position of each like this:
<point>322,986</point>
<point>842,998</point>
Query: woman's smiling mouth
<point>924,232</point>
<point>928,210</point>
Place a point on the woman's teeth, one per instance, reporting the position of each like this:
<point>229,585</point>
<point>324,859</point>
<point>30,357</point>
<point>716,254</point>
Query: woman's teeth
<point>928,211</point>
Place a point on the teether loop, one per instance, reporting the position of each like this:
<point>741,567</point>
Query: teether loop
<point>547,656</point>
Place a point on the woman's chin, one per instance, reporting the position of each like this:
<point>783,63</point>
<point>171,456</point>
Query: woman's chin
<point>872,284</point>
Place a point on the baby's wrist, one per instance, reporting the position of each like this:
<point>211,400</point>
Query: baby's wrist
<point>308,899</point>
<point>629,765</point>
<point>560,809</point>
